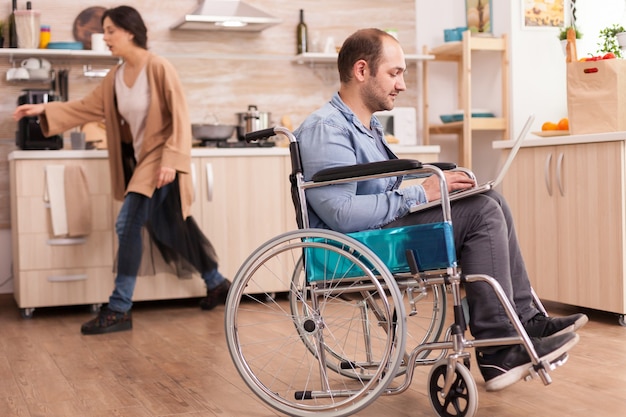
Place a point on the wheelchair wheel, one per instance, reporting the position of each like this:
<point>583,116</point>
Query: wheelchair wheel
<point>352,309</point>
<point>426,309</point>
<point>462,400</point>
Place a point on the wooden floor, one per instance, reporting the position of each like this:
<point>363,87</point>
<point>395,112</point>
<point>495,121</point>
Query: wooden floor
<point>175,363</point>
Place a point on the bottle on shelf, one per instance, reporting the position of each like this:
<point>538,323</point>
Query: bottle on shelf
<point>301,34</point>
<point>44,36</point>
<point>12,28</point>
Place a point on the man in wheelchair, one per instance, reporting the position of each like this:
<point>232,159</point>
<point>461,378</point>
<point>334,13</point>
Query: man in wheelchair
<point>344,132</point>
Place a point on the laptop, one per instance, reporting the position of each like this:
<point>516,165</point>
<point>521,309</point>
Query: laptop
<point>489,185</point>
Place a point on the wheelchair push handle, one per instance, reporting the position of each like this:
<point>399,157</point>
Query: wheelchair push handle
<point>268,133</point>
<point>259,134</point>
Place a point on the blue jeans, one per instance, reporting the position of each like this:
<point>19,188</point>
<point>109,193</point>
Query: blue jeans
<point>133,215</point>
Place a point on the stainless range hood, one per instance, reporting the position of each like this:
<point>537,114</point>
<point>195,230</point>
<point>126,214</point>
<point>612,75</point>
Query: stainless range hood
<point>226,15</point>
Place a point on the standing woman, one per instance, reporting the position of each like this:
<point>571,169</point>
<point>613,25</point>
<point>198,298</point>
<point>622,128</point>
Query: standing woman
<point>149,146</point>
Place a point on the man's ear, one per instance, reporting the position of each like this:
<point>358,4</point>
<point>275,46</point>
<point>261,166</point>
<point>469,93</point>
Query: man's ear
<point>360,69</point>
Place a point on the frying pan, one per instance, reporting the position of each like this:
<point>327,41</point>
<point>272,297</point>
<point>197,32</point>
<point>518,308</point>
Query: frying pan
<point>212,132</point>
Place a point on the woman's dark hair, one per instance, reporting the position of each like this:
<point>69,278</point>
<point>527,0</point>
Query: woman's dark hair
<point>365,44</point>
<point>129,19</point>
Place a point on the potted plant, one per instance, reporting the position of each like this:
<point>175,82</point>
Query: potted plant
<point>608,40</point>
<point>563,37</point>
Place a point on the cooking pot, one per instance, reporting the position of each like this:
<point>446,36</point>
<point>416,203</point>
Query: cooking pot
<point>251,121</point>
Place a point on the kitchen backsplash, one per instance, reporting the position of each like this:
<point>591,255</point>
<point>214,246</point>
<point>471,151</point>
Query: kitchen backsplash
<point>224,72</point>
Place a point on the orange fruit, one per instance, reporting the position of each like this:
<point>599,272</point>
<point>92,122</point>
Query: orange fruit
<point>549,126</point>
<point>563,124</point>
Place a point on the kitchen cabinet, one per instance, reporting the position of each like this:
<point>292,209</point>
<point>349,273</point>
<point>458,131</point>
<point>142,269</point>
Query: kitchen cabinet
<point>244,202</point>
<point>49,271</point>
<point>241,199</point>
<point>568,204</point>
<point>462,54</point>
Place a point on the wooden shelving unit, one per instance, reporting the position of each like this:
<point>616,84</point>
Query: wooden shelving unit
<point>460,53</point>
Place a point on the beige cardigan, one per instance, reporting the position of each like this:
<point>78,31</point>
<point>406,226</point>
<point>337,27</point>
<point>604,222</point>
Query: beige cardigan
<point>167,138</point>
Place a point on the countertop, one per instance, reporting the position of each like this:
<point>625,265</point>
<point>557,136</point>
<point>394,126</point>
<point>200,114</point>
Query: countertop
<point>195,152</point>
<point>562,140</point>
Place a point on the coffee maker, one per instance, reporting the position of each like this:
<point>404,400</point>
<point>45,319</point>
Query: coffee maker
<point>29,135</point>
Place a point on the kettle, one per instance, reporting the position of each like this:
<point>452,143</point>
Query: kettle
<point>251,121</point>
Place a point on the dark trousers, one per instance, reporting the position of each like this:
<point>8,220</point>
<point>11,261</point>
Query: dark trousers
<point>486,243</point>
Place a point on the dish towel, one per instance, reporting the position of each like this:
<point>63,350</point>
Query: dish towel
<point>54,195</point>
<point>77,202</point>
<point>67,194</point>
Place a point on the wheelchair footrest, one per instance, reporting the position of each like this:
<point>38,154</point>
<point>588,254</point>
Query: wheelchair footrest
<point>541,370</point>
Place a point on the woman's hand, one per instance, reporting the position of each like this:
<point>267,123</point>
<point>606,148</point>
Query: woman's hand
<point>456,181</point>
<point>28,110</point>
<point>165,175</point>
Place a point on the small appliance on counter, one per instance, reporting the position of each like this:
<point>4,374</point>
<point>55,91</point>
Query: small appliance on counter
<point>29,135</point>
<point>400,125</point>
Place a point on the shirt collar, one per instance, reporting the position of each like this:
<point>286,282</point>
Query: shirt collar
<point>338,103</point>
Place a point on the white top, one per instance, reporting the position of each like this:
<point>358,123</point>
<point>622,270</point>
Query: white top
<point>132,103</point>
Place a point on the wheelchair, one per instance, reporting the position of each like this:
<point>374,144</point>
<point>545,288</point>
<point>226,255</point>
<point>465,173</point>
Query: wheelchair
<point>363,309</point>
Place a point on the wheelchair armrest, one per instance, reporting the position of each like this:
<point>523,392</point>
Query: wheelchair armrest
<point>444,166</point>
<point>361,170</point>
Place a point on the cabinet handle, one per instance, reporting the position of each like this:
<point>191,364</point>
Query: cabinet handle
<point>67,241</point>
<point>209,181</point>
<point>546,174</point>
<point>559,173</point>
<point>193,180</point>
<point>67,278</point>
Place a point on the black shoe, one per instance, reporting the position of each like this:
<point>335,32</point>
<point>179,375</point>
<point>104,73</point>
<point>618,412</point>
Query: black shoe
<point>216,296</point>
<point>510,364</point>
<point>542,326</point>
<point>108,321</point>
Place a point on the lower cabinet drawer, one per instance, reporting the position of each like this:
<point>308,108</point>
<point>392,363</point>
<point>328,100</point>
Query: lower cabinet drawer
<point>57,287</point>
<point>39,251</point>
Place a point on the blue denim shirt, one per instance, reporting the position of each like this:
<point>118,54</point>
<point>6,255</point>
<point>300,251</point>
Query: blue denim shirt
<point>333,136</point>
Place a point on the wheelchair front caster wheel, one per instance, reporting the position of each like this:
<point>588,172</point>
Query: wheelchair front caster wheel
<point>462,400</point>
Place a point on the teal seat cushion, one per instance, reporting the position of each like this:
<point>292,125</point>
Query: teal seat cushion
<point>432,244</point>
